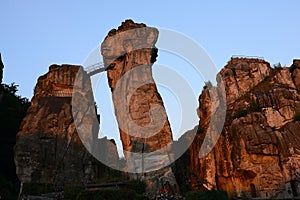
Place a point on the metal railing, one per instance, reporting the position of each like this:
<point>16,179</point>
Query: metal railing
<point>248,57</point>
<point>95,68</point>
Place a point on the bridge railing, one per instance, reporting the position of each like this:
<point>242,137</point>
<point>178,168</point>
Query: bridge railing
<point>95,68</point>
<point>249,57</point>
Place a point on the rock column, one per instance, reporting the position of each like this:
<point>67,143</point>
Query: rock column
<point>129,53</point>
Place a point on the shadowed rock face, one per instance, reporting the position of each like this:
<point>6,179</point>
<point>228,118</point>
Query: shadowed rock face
<point>1,69</point>
<point>48,148</point>
<point>258,153</point>
<point>129,53</point>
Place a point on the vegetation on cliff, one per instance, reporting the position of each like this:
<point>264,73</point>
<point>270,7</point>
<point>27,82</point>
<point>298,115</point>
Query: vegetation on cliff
<point>12,110</point>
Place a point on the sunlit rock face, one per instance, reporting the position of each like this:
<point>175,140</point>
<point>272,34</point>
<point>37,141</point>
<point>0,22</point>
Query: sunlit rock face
<point>48,148</point>
<point>258,152</point>
<point>129,53</point>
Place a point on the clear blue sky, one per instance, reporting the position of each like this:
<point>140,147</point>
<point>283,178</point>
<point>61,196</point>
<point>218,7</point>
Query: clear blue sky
<point>35,34</point>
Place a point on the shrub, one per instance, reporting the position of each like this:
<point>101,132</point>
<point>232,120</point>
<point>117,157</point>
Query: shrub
<point>254,107</point>
<point>208,85</point>
<point>138,186</point>
<point>71,192</point>
<point>297,115</point>
<point>207,195</point>
<point>8,189</point>
<point>112,175</point>
<point>200,130</point>
<point>277,66</point>
<point>110,194</point>
<point>240,113</point>
<point>37,188</point>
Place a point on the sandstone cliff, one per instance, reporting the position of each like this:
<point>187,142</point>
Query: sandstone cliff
<point>48,147</point>
<point>129,53</point>
<point>258,152</point>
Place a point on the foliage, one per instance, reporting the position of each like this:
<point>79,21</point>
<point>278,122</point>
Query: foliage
<point>8,189</point>
<point>12,108</point>
<point>254,107</point>
<point>138,186</point>
<point>114,173</point>
<point>71,192</point>
<point>37,188</point>
<point>297,115</point>
<point>240,113</point>
<point>111,175</point>
<point>208,85</point>
<point>200,130</point>
<point>110,194</point>
<point>207,195</point>
<point>277,66</point>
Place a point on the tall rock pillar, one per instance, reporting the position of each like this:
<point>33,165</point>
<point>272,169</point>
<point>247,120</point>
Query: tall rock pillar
<point>128,54</point>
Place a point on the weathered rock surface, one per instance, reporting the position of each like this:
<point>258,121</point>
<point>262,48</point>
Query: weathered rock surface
<point>240,75</point>
<point>129,53</point>
<point>48,147</point>
<point>258,152</point>
<point>295,70</point>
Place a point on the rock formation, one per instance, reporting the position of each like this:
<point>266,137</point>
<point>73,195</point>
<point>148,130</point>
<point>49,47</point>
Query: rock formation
<point>1,76</point>
<point>258,152</point>
<point>1,69</point>
<point>129,53</point>
<point>48,147</point>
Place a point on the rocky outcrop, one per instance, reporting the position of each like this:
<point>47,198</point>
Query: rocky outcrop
<point>1,69</point>
<point>240,75</point>
<point>48,147</point>
<point>258,152</point>
<point>295,70</point>
<point>1,77</point>
<point>129,53</point>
